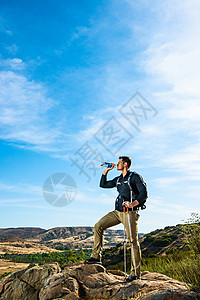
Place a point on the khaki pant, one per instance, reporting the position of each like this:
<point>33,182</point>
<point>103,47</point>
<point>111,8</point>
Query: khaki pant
<point>114,218</point>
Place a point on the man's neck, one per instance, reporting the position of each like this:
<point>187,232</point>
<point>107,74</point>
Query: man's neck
<point>124,172</point>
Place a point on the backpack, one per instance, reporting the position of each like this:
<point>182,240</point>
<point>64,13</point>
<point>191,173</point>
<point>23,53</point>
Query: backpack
<point>142,205</point>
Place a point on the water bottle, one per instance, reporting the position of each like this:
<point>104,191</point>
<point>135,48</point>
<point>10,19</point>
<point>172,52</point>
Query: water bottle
<point>107,165</point>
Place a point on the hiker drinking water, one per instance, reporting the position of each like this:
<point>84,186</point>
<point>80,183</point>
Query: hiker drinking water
<point>132,196</point>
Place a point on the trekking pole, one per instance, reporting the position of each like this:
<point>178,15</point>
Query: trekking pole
<point>131,241</point>
<point>124,242</point>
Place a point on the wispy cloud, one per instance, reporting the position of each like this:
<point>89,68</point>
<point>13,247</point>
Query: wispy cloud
<point>3,27</point>
<point>22,188</point>
<point>12,63</point>
<point>80,32</point>
<point>167,182</point>
<point>163,207</point>
<point>18,200</point>
<point>25,109</point>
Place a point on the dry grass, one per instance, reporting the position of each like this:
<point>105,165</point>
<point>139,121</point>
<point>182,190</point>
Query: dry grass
<point>9,266</point>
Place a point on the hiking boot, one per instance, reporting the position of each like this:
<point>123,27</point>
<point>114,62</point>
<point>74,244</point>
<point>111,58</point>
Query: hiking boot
<point>130,278</point>
<point>92,260</point>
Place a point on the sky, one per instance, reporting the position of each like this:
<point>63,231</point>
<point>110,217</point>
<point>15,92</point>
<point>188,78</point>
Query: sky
<point>86,81</point>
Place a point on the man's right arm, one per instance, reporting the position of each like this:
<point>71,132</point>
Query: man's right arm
<point>104,183</point>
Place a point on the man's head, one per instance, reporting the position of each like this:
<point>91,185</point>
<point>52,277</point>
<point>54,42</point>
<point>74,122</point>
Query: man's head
<point>123,163</point>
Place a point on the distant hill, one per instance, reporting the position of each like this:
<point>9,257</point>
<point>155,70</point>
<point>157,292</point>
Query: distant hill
<point>58,238</point>
<point>63,233</point>
<point>21,232</point>
<point>21,246</point>
<point>76,237</point>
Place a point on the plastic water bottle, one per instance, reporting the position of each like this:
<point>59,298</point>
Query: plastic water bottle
<point>107,165</point>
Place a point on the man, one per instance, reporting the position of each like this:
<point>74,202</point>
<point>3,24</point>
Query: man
<point>116,217</point>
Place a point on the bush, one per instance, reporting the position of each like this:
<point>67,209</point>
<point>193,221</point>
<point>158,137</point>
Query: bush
<point>5,274</point>
<point>152,255</point>
<point>162,241</point>
<point>149,239</point>
<point>31,265</point>
<point>180,264</point>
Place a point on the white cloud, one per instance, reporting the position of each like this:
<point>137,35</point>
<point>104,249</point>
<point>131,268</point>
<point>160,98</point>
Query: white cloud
<point>166,182</point>
<point>24,109</point>
<point>163,207</point>
<point>3,27</point>
<point>22,188</point>
<point>18,200</point>
<point>187,161</point>
<point>12,63</point>
<point>80,32</point>
<point>172,62</point>
<point>12,49</point>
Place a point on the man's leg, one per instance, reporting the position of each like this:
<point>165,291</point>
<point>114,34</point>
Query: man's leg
<point>110,219</point>
<point>134,216</point>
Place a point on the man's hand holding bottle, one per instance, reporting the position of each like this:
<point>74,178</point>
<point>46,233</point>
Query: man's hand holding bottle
<point>109,166</point>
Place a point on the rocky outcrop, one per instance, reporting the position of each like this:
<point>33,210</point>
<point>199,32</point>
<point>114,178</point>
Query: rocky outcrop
<point>26,283</point>
<point>79,281</point>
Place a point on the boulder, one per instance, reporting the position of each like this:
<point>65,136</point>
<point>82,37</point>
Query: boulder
<point>86,282</point>
<point>60,285</point>
<point>26,283</point>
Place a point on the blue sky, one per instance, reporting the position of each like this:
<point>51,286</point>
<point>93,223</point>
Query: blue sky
<point>66,68</point>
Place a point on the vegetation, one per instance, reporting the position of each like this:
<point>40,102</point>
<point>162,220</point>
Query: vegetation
<point>5,274</point>
<point>55,256</point>
<point>161,241</point>
<point>180,264</point>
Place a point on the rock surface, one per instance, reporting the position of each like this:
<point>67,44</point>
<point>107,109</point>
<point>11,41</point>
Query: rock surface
<point>84,282</point>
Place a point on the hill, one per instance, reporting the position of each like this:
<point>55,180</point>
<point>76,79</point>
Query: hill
<point>21,232</point>
<point>157,242</point>
<point>161,241</point>
<point>59,238</point>
<point>21,246</point>
<point>76,237</point>
<point>25,240</point>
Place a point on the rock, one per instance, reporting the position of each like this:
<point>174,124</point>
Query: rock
<point>37,275</point>
<point>17,289</point>
<point>92,276</point>
<point>170,295</point>
<point>67,264</point>
<point>59,285</point>
<point>26,283</point>
<point>116,272</point>
<point>86,282</point>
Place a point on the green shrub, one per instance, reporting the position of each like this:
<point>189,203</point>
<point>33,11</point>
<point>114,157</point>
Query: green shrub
<point>149,239</point>
<point>31,265</point>
<point>5,274</point>
<point>180,264</point>
<point>152,255</point>
<point>162,241</point>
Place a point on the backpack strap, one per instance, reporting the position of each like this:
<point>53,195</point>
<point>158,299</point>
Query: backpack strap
<point>117,181</point>
<point>131,190</point>
<point>133,196</point>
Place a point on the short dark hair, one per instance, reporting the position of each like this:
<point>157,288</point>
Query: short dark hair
<point>126,159</point>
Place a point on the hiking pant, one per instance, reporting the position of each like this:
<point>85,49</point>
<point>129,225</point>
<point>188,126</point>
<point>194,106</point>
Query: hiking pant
<point>114,218</point>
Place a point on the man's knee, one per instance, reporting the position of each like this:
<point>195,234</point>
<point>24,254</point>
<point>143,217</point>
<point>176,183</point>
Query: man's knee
<point>98,226</point>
